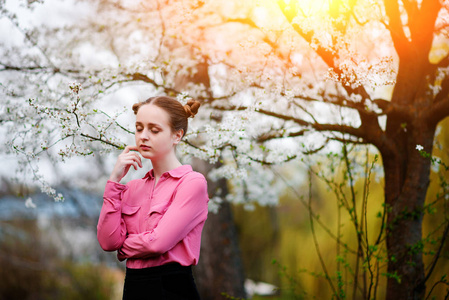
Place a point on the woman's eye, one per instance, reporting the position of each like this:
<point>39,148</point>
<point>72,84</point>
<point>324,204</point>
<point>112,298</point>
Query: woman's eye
<point>154,131</point>
<point>138,129</point>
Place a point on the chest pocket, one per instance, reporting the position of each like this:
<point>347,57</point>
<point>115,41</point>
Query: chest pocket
<point>156,213</point>
<point>131,217</point>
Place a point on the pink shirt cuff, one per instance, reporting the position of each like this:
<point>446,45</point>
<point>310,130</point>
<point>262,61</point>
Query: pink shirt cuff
<point>113,191</point>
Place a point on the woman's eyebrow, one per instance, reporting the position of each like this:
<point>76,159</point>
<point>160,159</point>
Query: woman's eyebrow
<point>151,124</point>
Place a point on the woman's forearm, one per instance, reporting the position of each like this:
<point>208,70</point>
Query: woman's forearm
<point>111,229</point>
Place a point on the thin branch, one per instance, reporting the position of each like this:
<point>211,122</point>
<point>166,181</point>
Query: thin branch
<point>234,149</point>
<point>279,134</point>
<point>38,69</point>
<point>99,139</point>
<point>354,217</point>
<point>356,19</point>
<point>311,213</point>
<point>377,139</point>
<point>30,40</point>
<point>435,285</point>
<point>369,120</point>
<point>438,254</point>
<point>317,248</point>
<point>118,124</point>
<point>366,190</point>
<point>141,77</point>
<point>169,90</point>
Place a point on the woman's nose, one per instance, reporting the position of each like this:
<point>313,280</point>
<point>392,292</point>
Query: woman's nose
<point>145,135</point>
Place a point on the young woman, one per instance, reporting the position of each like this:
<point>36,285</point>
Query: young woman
<point>155,223</point>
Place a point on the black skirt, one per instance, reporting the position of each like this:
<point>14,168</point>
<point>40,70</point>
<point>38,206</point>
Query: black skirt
<point>167,282</point>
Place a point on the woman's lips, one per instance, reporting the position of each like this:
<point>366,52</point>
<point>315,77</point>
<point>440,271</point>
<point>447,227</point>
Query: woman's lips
<point>145,147</point>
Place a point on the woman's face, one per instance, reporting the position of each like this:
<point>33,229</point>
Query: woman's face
<point>154,136</point>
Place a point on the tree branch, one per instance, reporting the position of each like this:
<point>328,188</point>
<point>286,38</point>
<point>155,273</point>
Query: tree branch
<point>368,133</point>
<point>422,28</point>
<point>279,134</point>
<point>141,77</point>
<point>37,69</point>
<point>411,7</point>
<point>99,139</point>
<point>438,255</point>
<point>395,25</point>
<point>369,119</point>
<point>437,112</point>
<point>357,132</point>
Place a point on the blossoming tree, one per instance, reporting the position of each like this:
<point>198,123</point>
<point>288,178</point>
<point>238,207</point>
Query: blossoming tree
<point>359,46</point>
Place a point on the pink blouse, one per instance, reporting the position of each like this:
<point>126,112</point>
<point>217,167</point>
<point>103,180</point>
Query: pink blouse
<point>153,225</point>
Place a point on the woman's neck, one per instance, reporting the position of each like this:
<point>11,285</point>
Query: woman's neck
<point>160,166</point>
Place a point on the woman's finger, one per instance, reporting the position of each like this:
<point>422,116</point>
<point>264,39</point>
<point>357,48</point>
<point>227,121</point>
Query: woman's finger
<point>127,149</point>
<point>135,157</point>
<point>138,159</point>
<point>130,148</point>
<point>132,161</point>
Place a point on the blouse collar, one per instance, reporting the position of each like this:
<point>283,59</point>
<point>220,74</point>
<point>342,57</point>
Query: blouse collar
<point>175,173</point>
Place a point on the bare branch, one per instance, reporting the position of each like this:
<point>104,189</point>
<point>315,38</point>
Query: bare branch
<point>437,112</point>
<point>357,19</point>
<point>38,69</point>
<point>357,132</point>
<point>279,134</point>
<point>145,78</point>
<point>411,7</point>
<point>234,149</point>
<point>29,38</point>
<point>438,255</point>
<point>395,25</point>
<point>246,21</point>
<point>422,28</point>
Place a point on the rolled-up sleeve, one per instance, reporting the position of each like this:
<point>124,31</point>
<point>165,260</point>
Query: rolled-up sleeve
<point>187,211</point>
<point>111,229</point>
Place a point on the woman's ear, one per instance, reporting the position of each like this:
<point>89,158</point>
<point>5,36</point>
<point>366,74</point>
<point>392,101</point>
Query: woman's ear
<point>178,136</point>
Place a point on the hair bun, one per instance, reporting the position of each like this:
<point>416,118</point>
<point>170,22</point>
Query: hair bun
<point>191,108</point>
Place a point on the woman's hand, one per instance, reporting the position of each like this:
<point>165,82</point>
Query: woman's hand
<point>124,161</point>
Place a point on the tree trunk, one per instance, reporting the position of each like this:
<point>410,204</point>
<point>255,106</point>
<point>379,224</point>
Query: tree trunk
<point>220,269</point>
<point>406,182</point>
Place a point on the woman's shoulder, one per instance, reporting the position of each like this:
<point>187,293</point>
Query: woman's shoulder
<point>193,183</point>
<point>195,174</point>
<point>193,177</point>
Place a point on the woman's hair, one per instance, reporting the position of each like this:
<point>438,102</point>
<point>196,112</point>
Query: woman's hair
<point>178,113</point>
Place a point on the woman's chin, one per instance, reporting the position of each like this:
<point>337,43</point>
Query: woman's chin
<point>146,155</point>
